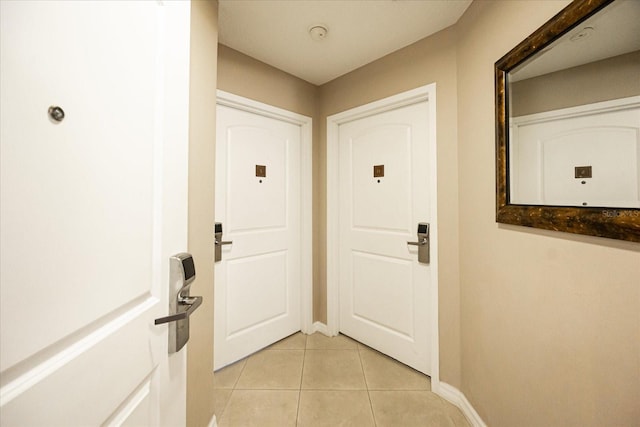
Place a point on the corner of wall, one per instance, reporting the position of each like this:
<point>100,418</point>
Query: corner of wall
<point>202,106</point>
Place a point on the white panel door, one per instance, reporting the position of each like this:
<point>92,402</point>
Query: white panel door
<point>257,283</point>
<point>547,147</point>
<point>384,291</point>
<point>91,209</point>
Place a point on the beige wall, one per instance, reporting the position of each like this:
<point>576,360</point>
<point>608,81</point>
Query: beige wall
<point>611,78</point>
<point>550,321</point>
<point>202,132</point>
<point>427,61</point>
<point>241,75</point>
<point>248,77</point>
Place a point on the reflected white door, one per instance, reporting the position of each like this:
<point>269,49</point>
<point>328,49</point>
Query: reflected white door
<point>91,209</point>
<point>384,291</point>
<point>258,282</point>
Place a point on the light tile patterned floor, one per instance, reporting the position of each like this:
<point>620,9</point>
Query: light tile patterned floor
<point>314,381</point>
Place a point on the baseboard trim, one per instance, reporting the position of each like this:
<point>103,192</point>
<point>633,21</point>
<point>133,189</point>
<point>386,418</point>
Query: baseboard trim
<point>455,396</point>
<point>321,327</point>
<point>213,422</point>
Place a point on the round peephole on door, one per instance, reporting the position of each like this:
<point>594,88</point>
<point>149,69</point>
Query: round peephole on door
<point>56,114</point>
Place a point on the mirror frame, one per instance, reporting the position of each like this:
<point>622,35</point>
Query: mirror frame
<point>614,223</point>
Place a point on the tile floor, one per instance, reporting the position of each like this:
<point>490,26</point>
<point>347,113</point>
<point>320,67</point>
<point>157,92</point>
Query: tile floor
<point>305,381</point>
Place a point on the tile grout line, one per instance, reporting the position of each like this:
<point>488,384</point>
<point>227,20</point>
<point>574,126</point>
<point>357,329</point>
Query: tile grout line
<point>244,365</point>
<point>235,385</point>
<point>233,388</point>
<point>304,358</point>
<point>366,383</point>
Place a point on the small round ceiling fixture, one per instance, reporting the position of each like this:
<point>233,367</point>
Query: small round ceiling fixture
<point>586,32</point>
<point>318,32</point>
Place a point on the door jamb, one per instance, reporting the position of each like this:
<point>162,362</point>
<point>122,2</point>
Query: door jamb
<point>421,94</point>
<point>245,104</point>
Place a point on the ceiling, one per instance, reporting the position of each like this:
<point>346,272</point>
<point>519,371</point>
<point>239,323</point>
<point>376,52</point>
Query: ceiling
<point>359,31</point>
<point>611,32</point>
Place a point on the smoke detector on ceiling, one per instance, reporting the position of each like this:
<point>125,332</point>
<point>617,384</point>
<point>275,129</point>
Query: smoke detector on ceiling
<point>318,32</point>
<point>586,32</point>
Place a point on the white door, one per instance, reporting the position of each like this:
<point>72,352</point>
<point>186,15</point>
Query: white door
<point>384,194</point>
<point>91,209</point>
<point>257,199</point>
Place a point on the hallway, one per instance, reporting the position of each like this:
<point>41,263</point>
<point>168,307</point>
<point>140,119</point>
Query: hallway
<point>315,380</point>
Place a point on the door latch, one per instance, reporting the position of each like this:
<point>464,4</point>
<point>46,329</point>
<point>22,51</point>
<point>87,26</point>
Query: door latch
<point>218,242</point>
<point>422,243</point>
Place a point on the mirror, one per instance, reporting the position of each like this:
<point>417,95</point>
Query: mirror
<point>568,123</point>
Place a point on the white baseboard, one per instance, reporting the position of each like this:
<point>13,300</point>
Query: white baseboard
<point>458,398</point>
<point>321,327</point>
<point>213,422</point>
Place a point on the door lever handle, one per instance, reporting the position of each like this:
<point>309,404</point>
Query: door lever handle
<point>218,242</point>
<point>421,242</point>
<point>186,306</point>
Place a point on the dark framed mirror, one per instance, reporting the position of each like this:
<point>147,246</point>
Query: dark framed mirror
<point>568,123</point>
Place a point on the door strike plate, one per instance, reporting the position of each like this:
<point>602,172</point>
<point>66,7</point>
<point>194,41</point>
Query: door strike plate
<point>378,171</point>
<point>261,171</point>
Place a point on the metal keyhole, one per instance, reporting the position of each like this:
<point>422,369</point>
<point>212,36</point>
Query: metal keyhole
<point>56,113</point>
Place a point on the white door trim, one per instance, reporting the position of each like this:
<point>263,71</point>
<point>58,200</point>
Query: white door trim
<point>421,94</point>
<point>306,280</point>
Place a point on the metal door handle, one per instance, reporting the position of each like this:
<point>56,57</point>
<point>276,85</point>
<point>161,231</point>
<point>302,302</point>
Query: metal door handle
<point>420,243</point>
<point>218,242</point>
<point>182,273</point>
<point>186,306</point>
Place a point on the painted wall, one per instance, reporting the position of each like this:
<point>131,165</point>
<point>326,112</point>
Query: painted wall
<point>202,133</point>
<point>248,77</point>
<point>550,321</point>
<point>424,62</point>
<point>604,80</point>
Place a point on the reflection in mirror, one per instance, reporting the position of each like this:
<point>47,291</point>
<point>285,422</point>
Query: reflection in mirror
<point>574,116</point>
<point>568,123</point>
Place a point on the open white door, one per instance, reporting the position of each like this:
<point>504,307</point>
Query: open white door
<point>263,202</point>
<point>92,207</point>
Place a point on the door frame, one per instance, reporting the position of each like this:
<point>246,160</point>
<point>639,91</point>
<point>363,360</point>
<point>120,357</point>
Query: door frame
<point>421,94</point>
<point>306,125</point>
